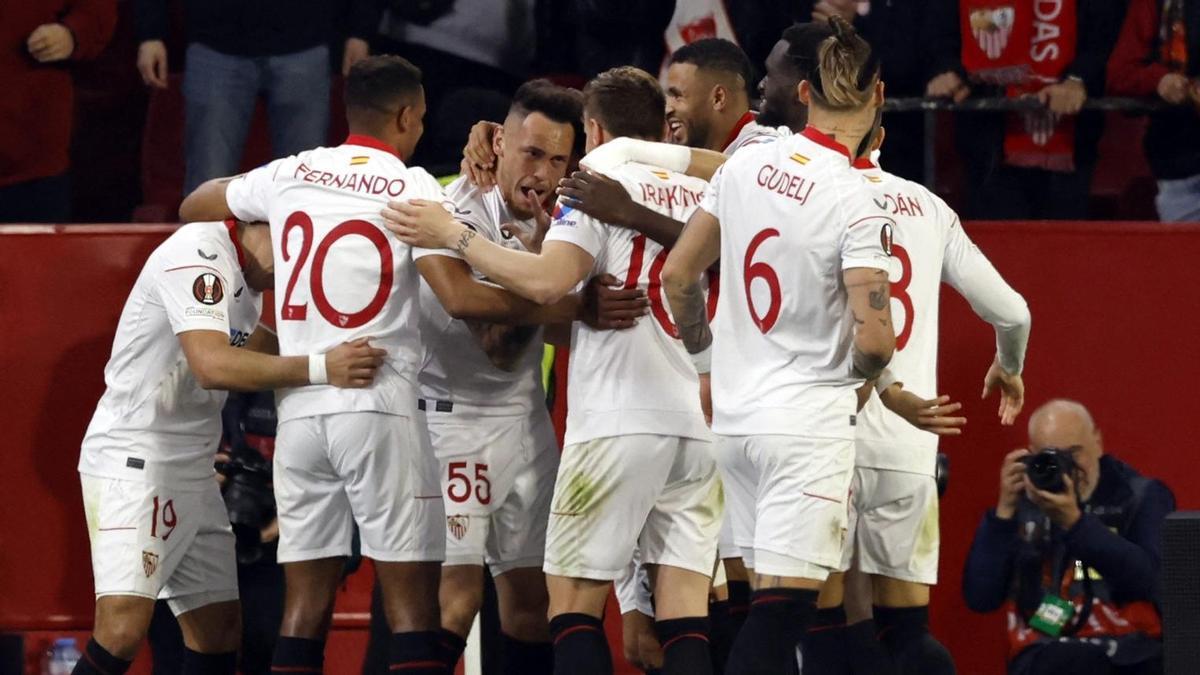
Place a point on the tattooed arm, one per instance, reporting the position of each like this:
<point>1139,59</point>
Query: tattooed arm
<point>870,306</point>
<point>698,247</point>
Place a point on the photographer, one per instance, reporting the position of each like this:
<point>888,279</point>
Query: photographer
<point>1071,553</point>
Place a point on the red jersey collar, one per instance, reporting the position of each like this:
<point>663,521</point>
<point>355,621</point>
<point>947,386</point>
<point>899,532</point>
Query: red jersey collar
<point>746,118</point>
<point>231,225</point>
<point>864,163</point>
<point>823,140</point>
<point>370,142</point>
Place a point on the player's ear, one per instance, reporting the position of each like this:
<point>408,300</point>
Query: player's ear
<point>719,97</point>
<point>878,93</point>
<point>878,140</point>
<point>804,92</point>
<point>498,141</point>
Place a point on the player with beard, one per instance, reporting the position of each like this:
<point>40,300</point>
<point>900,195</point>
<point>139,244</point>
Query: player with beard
<point>481,387</point>
<point>636,469</point>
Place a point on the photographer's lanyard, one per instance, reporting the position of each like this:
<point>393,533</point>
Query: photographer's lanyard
<point>1056,616</point>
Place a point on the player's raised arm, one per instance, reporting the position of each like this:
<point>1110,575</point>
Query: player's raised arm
<point>607,200</point>
<point>218,365</point>
<point>993,300</point>
<point>543,278</point>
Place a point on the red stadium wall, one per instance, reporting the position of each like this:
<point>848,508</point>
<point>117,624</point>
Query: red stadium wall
<point>1114,306</point>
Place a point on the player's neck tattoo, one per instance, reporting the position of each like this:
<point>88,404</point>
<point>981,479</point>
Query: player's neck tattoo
<point>464,240</point>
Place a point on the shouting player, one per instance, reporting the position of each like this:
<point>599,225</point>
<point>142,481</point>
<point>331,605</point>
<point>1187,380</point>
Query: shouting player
<point>359,456</point>
<point>158,526</point>
<point>637,467</point>
<point>805,322</point>
<point>481,388</point>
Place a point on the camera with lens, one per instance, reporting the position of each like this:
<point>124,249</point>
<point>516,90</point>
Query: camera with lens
<point>248,499</point>
<point>1047,468</point>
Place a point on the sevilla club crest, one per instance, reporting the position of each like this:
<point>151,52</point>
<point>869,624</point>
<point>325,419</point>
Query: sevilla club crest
<point>149,563</point>
<point>992,27</point>
<point>458,526</point>
<point>207,289</point>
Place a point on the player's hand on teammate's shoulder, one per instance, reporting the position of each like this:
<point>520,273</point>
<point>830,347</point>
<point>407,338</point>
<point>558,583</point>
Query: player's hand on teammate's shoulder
<point>421,223</point>
<point>353,365</point>
<point>607,305</point>
<point>1012,392</point>
<point>479,157</point>
<point>597,195</point>
<point>934,415</point>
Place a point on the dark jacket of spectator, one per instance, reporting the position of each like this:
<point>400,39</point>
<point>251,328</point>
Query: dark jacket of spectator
<point>610,33</point>
<point>1118,536</point>
<point>1173,138</point>
<point>260,27</point>
<point>38,101</point>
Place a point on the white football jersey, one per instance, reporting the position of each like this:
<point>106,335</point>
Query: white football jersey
<point>929,246</point>
<point>639,380</point>
<point>339,275</point>
<point>749,132</point>
<point>154,423</point>
<point>456,368</point>
<point>794,215</point>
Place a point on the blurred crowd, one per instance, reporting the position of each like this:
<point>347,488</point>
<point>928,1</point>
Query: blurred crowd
<point>115,108</point>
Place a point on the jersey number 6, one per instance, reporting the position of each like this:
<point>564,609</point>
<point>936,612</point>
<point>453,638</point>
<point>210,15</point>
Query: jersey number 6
<point>299,312</point>
<point>761,270</point>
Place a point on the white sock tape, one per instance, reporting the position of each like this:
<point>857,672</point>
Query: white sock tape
<point>702,360</point>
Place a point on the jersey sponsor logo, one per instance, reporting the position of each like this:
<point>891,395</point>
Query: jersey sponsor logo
<point>457,525</point>
<point>149,563</point>
<point>205,312</point>
<point>206,256</point>
<point>238,338</point>
<point>135,463</point>
<point>560,213</point>
<point>207,289</point>
<point>783,183</point>
<point>238,292</point>
<point>885,240</point>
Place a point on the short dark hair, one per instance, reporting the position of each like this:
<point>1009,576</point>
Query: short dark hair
<point>627,101</point>
<point>804,40</point>
<point>381,83</point>
<point>560,104</point>
<point>717,54</point>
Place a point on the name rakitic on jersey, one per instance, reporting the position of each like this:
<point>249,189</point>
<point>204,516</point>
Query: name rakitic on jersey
<point>365,183</point>
<point>670,196</point>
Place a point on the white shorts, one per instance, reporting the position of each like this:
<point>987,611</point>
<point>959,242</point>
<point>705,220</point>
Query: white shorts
<point>801,501</point>
<point>660,493</point>
<point>740,478</point>
<point>370,468</point>
<point>894,525</point>
<point>497,484</point>
<point>633,588</point>
<point>160,542</point>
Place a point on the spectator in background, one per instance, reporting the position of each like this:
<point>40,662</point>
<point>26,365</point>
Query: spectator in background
<point>38,42</point>
<point>1076,570</point>
<point>239,50</point>
<point>918,44</point>
<point>473,54</point>
<point>1158,53</point>
<point>1039,163</point>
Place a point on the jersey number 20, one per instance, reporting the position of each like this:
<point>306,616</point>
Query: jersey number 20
<point>299,312</point>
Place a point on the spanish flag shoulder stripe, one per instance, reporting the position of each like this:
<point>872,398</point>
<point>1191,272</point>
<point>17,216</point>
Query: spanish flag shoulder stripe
<point>662,174</point>
<point>360,159</point>
<point>798,158</point>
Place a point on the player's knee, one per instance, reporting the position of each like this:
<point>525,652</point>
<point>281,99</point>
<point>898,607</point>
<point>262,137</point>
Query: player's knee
<point>526,622</point>
<point>459,609</point>
<point>120,637</point>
